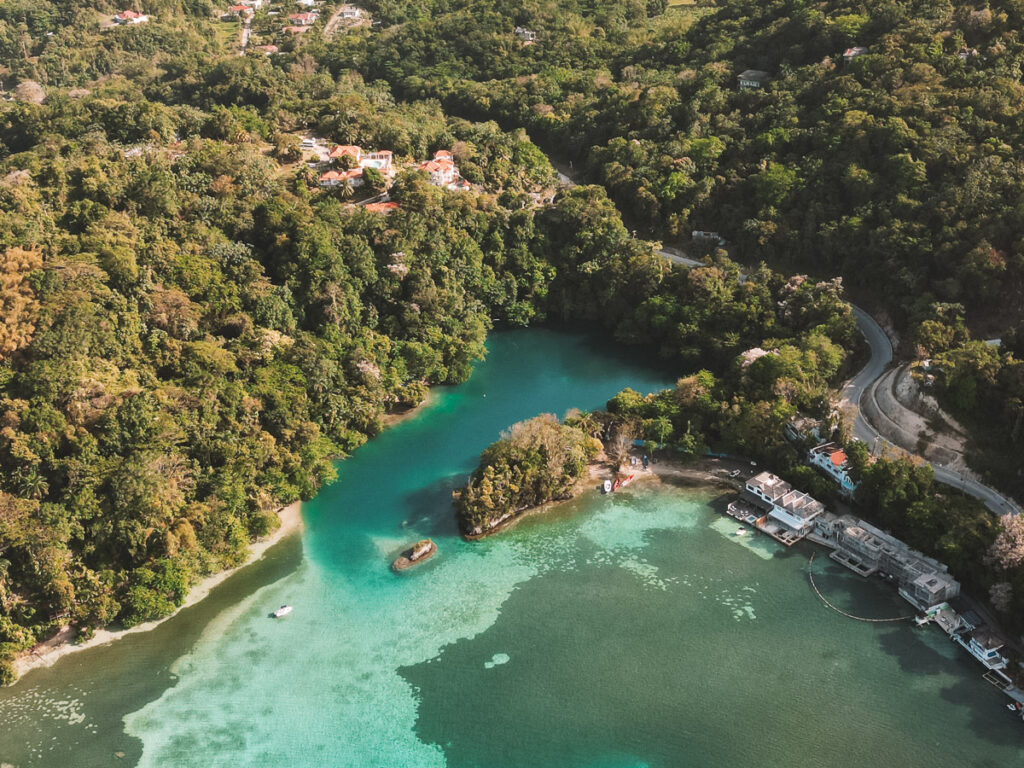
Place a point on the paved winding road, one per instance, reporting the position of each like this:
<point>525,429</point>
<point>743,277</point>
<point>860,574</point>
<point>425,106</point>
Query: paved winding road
<point>881,359</point>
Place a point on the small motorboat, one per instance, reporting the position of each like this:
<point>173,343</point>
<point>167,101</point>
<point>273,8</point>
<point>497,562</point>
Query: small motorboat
<point>607,486</point>
<point>284,610</point>
<point>741,531</point>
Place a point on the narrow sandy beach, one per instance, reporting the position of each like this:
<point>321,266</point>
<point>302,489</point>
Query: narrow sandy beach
<point>46,653</point>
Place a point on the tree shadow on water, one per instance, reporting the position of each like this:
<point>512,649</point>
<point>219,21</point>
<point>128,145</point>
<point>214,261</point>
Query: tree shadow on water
<point>989,718</point>
<point>913,656</point>
<point>431,508</point>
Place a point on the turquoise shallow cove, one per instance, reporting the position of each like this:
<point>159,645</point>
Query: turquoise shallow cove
<point>615,632</point>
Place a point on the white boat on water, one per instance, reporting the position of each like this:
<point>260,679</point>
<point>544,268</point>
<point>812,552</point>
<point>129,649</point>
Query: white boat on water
<point>741,531</point>
<point>607,487</point>
<point>284,610</point>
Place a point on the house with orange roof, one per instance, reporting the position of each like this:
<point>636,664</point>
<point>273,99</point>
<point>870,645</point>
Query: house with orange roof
<point>130,17</point>
<point>337,178</point>
<point>304,19</point>
<point>384,208</point>
<point>442,169</point>
<point>382,160</point>
<point>356,153</point>
<point>831,458</point>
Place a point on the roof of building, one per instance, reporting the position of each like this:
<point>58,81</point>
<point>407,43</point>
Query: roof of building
<point>345,149</point>
<point>838,458</point>
<point>342,175</point>
<point>437,166</point>
<point>381,207</point>
<point>984,637</point>
<point>856,50</point>
<point>757,75</point>
<point>130,15</point>
<point>771,485</point>
<point>442,154</point>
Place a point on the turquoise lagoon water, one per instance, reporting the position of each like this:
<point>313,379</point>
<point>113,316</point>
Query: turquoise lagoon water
<point>631,630</point>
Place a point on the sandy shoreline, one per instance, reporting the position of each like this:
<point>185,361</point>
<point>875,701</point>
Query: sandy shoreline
<point>704,471</point>
<point>47,652</point>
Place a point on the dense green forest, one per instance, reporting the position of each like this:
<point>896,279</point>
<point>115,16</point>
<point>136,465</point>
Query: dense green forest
<point>535,461</point>
<point>193,329</point>
<point>898,162</point>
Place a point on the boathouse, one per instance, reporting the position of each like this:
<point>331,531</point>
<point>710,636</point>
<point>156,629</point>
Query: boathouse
<point>922,581</point>
<point>785,514</point>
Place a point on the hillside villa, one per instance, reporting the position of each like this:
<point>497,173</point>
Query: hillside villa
<point>337,178</point>
<point>384,208</point>
<point>443,172</point>
<point>442,169</point>
<point>130,17</point>
<point>752,79</point>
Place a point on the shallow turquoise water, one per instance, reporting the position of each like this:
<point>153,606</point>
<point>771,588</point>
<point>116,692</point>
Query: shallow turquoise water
<point>632,630</point>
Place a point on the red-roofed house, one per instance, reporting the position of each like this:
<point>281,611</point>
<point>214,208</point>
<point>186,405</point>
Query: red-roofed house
<point>832,459</point>
<point>442,154</point>
<point>346,149</point>
<point>852,53</point>
<point>337,178</point>
<point>130,17</point>
<point>294,30</point>
<point>267,49</point>
<point>384,208</point>
<point>442,172</point>
<point>303,19</point>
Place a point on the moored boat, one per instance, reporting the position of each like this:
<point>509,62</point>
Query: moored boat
<point>606,487</point>
<point>417,553</point>
<point>284,610</point>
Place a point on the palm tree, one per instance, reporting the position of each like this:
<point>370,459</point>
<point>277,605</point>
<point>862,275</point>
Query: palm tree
<point>30,483</point>
<point>346,190</point>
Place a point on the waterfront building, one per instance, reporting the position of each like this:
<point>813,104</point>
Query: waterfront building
<point>775,508</point>
<point>832,459</point>
<point>794,509</point>
<point>984,646</point>
<point>922,581</point>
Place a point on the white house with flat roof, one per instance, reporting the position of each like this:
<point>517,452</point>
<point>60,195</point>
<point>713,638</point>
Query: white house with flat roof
<point>832,459</point>
<point>794,509</point>
<point>864,549</point>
